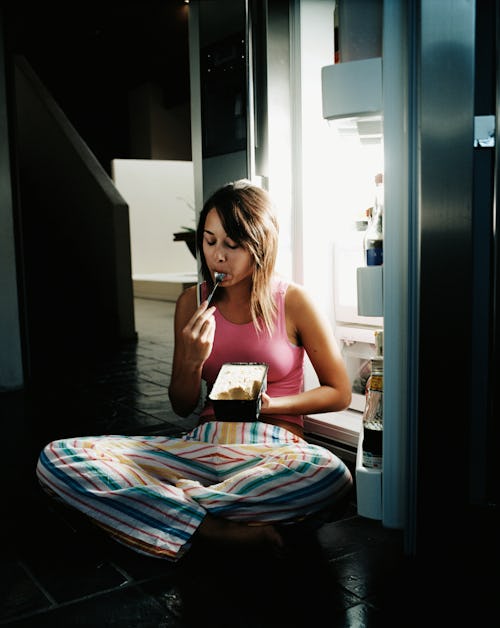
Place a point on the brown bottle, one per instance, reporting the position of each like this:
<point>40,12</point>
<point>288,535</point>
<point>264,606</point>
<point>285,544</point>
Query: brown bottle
<point>373,416</point>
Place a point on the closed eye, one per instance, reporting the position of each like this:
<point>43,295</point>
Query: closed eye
<point>214,242</point>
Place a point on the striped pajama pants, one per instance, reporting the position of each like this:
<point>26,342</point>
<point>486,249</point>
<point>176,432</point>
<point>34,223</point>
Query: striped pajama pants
<point>152,492</point>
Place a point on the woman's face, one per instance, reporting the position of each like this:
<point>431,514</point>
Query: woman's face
<point>224,255</point>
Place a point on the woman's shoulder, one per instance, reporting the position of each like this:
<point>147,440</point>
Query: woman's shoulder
<point>289,288</point>
<point>280,284</point>
<point>296,298</point>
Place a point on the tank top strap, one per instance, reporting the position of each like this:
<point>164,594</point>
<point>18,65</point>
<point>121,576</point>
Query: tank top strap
<point>279,292</point>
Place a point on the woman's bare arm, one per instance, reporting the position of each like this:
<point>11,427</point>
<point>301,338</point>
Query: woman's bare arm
<point>194,329</point>
<point>309,327</point>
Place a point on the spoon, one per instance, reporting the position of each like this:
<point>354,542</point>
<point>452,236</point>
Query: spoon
<point>218,278</point>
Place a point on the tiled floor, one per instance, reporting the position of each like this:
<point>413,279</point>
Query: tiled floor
<point>59,570</point>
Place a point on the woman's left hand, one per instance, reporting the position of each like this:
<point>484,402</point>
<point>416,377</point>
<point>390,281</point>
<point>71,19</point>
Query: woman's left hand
<point>265,401</point>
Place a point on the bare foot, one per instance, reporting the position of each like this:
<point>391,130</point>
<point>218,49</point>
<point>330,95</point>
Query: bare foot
<point>225,531</point>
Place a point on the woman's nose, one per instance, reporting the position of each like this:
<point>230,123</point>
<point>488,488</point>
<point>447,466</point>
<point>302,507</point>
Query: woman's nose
<point>220,254</point>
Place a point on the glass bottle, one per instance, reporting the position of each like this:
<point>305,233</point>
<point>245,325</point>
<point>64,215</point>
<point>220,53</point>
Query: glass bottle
<point>373,416</point>
<point>374,236</point>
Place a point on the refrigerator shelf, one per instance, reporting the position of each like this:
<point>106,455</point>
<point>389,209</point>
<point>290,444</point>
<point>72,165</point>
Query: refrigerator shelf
<point>368,487</point>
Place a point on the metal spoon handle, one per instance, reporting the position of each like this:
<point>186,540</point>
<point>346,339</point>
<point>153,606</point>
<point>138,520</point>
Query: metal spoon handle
<point>212,293</point>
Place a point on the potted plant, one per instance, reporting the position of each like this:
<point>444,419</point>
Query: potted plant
<point>189,237</point>
<point>188,234</point>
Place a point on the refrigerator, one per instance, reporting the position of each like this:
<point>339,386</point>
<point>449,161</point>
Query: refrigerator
<point>434,91</point>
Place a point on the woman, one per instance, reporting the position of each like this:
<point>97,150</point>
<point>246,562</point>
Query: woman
<point>231,481</point>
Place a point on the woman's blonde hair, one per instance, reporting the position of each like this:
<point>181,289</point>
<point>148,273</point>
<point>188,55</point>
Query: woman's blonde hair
<point>248,218</point>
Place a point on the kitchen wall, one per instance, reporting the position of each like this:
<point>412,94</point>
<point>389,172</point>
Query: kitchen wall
<point>160,196</point>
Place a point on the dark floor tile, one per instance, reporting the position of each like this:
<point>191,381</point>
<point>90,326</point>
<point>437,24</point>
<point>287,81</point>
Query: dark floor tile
<point>129,607</point>
<point>160,369</point>
<point>362,572</point>
<point>148,389</point>
<point>19,594</point>
<point>358,533</point>
<point>157,405</point>
<point>75,571</point>
<point>122,418</point>
<point>155,375</point>
<point>122,372</point>
<point>147,356</point>
<point>151,355</point>
<point>64,552</point>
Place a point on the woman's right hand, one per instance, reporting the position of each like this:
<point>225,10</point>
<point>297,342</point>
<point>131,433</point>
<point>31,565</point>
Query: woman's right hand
<point>198,334</point>
<point>194,328</point>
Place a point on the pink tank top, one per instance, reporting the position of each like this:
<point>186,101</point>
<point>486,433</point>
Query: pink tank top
<point>242,343</point>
